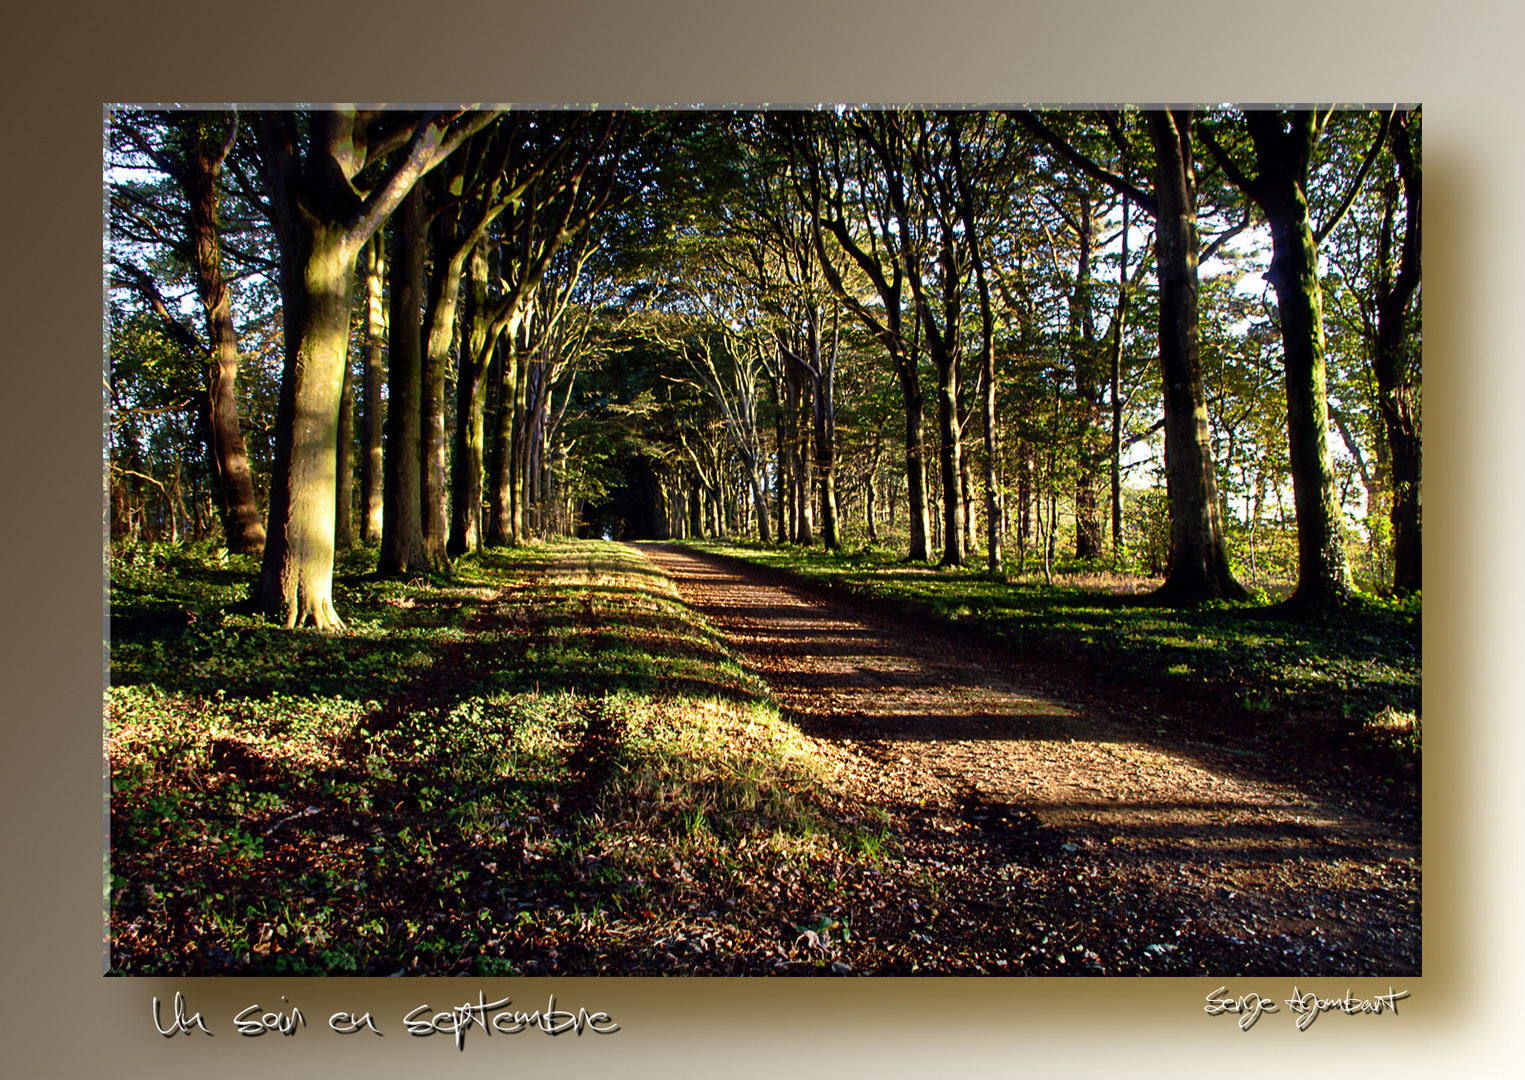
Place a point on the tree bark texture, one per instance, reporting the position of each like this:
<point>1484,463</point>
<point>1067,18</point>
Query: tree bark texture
<point>402,535</point>
<point>344,486</point>
<point>375,408</point>
<point>470,412</point>
<point>322,221</point>
<point>1199,567</point>
<point>917,518</point>
<point>1283,153</point>
<point>1395,389</point>
<point>442,295</point>
<point>296,576</point>
<point>500,527</point>
<point>237,506</point>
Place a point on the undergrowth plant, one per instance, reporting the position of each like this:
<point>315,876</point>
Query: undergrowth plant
<point>543,762</point>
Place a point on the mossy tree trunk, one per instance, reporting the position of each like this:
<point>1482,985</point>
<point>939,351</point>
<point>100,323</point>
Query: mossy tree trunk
<point>442,294</point>
<point>1283,154</point>
<point>326,204</point>
<point>296,577</point>
<point>1283,143</point>
<point>500,529</point>
<point>470,410</point>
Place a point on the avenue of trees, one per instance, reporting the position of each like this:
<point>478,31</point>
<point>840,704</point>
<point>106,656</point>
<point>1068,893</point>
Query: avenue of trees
<point>1175,342</point>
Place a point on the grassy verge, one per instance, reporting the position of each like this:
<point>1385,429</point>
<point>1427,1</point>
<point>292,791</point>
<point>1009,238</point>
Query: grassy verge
<point>541,764</point>
<point>1236,672</point>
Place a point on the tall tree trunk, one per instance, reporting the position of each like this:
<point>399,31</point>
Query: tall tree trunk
<point>1322,577</point>
<point>915,467</point>
<point>949,437</point>
<point>1088,388</point>
<point>237,505</point>
<point>826,448</point>
<point>871,487</point>
<point>805,475</point>
<point>500,528</point>
<point>344,493</point>
<point>518,472</point>
<point>470,412</point>
<point>781,466</point>
<point>1283,151</point>
<point>322,222</point>
<point>1199,567</point>
<point>944,346</point>
<point>966,494</point>
<point>375,408</point>
<point>1119,333</point>
<point>1025,497</point>
<point>402,535</point>
<point>759,484</point>
<point>819,382</point>
<point>994,513</point>
<point>994,510</point>
<point>802,518</point>
<point>1395,389</point>
<point>439,331</point>
<point>297,573</point>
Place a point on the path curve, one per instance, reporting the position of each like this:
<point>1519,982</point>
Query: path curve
<point>931,728</point>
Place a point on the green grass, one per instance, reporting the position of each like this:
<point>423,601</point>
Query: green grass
<point>1350,672</point>
<point>541,763</point>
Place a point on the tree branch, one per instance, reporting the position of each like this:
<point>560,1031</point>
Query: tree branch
<point>139,281</point>
<point>1225,162</point>
<point>1355,186</point>
<point>1217,244</point>
<point>1142,199</point>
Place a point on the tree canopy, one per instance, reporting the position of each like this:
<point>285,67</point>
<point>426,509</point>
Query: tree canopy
<point>948,332</point>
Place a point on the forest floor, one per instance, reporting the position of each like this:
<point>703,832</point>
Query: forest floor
<point>594,759</point>
<point>1117,839</point>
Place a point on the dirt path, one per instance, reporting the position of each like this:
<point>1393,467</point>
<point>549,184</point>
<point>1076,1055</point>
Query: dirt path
<point>1024,809</point>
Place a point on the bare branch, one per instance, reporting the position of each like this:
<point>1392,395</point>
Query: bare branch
<point>1217,244</point>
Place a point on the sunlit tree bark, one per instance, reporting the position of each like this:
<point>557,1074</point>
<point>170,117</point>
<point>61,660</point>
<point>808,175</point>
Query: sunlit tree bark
<point>314,168</point>
<point>371,467</point>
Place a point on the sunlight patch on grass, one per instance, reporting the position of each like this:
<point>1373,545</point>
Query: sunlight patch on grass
<point>547,743</point>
